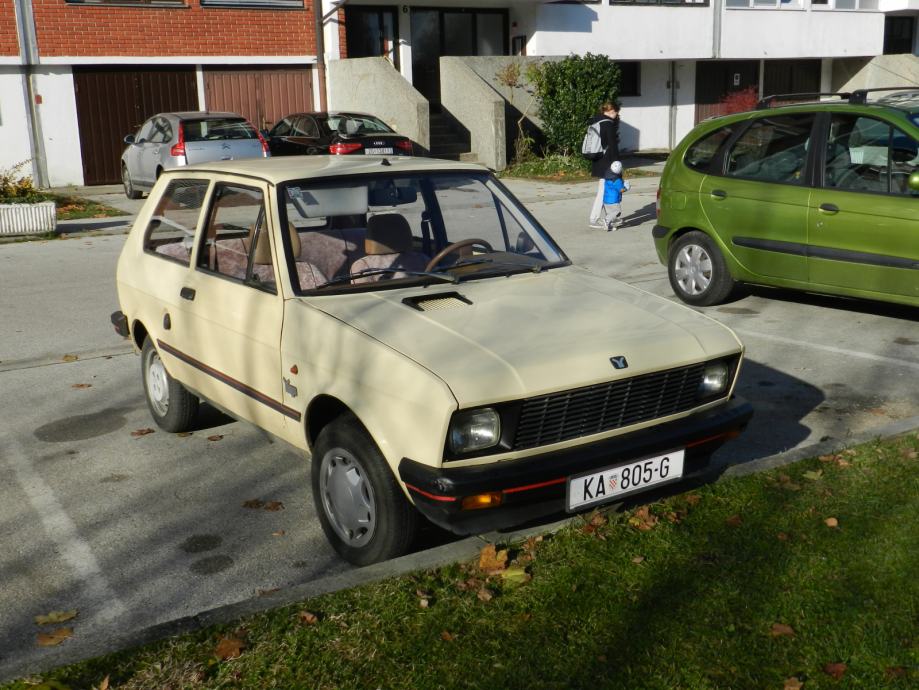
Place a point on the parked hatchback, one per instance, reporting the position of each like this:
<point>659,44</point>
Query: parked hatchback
<point>821,197</point>
<point>409,324</point>
<point>172,140</point>
<point>337,133</point>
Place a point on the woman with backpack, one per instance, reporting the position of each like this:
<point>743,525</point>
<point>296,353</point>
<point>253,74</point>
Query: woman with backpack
<point>608,125</point>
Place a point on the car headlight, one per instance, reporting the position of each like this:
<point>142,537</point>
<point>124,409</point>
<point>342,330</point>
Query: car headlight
<point>715,379</point>
<point>474,430</point>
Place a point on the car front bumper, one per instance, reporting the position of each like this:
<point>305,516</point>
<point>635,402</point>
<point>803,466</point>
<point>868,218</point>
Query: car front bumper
<point>535,486</point>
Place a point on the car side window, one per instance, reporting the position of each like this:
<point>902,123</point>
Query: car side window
<point>772,149</point>
<point>236,242</point>
<point>282,129</point>
<point>143,134</point>
<point>307,128</point>
<point>700,155</point>
<point>868,155</point>
<point>158,133</point>
<point>170,231</point>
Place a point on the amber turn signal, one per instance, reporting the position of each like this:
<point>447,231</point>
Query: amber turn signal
<point>489,500</point>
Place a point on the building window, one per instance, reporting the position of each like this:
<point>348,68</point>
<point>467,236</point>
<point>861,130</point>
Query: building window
<point>629,78</point>
<point>146,3</point>
<point>268,4</point>
<point>898,35</point>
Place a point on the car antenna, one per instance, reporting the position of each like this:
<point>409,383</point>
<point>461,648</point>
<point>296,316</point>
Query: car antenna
<point>385,161</point>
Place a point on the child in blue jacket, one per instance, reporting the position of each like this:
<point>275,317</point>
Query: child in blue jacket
<point>613,189</point>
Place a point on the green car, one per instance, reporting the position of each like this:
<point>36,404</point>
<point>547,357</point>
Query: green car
<point>822,197</point>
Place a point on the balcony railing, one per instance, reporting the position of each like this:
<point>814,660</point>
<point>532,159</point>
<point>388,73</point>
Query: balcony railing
<point>820,5</point>
<point>668,3</point>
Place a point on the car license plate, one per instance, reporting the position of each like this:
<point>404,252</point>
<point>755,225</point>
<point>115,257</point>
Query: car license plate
<point>378,150</point>
<point>613,482</point>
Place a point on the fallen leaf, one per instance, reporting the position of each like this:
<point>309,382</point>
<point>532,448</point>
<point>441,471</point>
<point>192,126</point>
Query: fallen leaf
<point>792,684</point>
<point>184,434</point>
<point>837,670</point>
<point>55,617</point>
<point>142,432</point>
<point>909,454</point>
<point>53,638</point>
<point>274,506</point>
<point>82,385</point>
<point>814,475</point>
<point>229,648</point>
<point>831,522</point>
<point>782,536</point>
<point>254,504</point>
<point>693,499</point>
<point>734,521</point>
<point>308,618</point>
<point>643,520</point>
<point>826,458</point>
<point>850,452</point>
<point>597,519</point>
<point>484,594</point>
<point>446,636</point>
<point>423,603</point>
<point>675,516</point>
<point>491,560</point>
<point>279,533</point>
<point>780,630</point>
<point>215,437</point>
<point>515,576</point>
<point>638,559</point>
<point>104,684</point>
<point>69,358</point>
<point>895,672</point>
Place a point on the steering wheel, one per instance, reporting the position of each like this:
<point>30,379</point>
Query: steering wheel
<point>450,248</point>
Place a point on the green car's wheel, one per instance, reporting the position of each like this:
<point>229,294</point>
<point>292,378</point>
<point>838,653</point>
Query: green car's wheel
<point>697,270</point>
<point>361,507</point>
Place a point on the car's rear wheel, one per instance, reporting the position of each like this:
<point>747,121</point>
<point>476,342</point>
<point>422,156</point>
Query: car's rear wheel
<point>697,270</point>
<point>173,408</point>
<point>362,510</point>
<point>129,190</point>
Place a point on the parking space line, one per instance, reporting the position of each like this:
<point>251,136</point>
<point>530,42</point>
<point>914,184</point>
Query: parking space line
<point>63,533</point>
<point>829,348</point>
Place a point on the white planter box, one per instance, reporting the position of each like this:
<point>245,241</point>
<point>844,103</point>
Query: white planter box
<point>27,219</point>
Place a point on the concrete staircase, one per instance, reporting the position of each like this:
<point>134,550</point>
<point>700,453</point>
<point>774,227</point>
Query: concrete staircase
<point>449,142</point>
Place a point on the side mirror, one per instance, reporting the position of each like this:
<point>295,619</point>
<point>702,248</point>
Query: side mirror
<point>914,181</point>
<point>129,139</point>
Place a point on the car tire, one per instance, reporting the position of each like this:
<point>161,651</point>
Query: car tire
<point>129,190</point>
<point>698,273</point>
<point>362,509</point>
<point>173,408</point>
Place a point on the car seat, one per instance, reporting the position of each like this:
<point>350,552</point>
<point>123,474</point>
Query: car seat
<point>388,245</point>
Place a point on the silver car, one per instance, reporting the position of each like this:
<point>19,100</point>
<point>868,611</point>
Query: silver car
<point>172,140</point>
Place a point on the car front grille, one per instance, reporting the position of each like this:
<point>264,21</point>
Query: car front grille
<point>602,407</point>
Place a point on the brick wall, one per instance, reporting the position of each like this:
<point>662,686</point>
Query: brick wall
<point>9,42</point>
<point>342,42</point>
<point>77,30</point>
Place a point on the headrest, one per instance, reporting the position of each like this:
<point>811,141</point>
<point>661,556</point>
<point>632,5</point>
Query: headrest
<point>351,126</point>
<point>388,233</point>
<point>262,253</point>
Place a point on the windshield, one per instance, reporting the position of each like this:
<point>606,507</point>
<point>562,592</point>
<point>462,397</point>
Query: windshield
<point>368,232</point>
<point>217,129</point>
<point>347,123</point>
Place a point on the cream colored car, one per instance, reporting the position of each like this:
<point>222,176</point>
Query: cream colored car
<point>412,327</point>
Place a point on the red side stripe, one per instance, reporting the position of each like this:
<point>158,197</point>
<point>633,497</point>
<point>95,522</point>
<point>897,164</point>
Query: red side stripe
<point>445,499</point>
<point>530,487</point>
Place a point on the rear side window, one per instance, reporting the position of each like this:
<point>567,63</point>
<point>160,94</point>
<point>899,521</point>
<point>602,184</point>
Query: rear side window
<point>171,230</point>
<point>772,149</point>
<point>216,129</point>
<point>700,155</point>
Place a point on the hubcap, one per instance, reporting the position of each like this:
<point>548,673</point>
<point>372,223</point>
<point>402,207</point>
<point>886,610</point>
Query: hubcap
<point>692,269</point>
<point>157,385</point>
<point>347,497</point>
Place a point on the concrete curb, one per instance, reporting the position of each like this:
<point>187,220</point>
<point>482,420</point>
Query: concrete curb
<point>463,550</point>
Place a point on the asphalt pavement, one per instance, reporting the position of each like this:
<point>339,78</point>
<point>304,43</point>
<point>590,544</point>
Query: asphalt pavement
<point>143,533</point>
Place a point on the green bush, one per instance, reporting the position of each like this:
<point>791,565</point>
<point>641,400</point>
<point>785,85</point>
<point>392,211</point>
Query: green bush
<point>570,92</point>
<point>16,188</point>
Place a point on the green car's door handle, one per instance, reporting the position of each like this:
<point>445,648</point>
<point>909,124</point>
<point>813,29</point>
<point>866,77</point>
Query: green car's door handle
<point>719,194</point>
<point>829,208</point>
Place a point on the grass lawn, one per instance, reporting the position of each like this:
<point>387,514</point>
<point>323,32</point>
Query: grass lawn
<point>562,169</point>
<point>74,208</point>
<point>803,576</point>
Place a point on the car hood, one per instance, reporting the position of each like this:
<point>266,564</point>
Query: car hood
<point>529,334</point>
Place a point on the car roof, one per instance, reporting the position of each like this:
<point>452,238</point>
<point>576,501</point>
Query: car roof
<point>201,115</point>
<point>333,113</point>
<point>281,169</point>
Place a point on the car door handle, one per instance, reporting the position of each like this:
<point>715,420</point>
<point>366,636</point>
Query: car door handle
<point>829,208</point>
<point>187,293</point>
<point>719,194</point>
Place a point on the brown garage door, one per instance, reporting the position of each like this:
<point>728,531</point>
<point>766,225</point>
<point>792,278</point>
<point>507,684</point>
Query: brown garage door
<point>113,102</point>
<point>263,96</point>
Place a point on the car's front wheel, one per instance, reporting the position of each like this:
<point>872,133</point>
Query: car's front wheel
<point>129,189</point>
<point>697,270</point>
<point>172,406</point>
<point>362,510</point>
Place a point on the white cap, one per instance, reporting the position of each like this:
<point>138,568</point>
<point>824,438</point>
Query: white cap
<point>616,167</point>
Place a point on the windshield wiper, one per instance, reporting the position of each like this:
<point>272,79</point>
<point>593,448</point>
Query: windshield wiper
<point>534,268</point>
<point>380,271</point>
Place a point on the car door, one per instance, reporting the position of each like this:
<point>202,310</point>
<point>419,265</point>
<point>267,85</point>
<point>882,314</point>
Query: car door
<point>152,154</point>
<point>862,227</point>
<point>134,157</point>
<point>233,336</point>
<point>758,204</point>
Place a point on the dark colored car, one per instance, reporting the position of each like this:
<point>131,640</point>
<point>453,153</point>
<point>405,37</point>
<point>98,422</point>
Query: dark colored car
<point>336,133</point>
